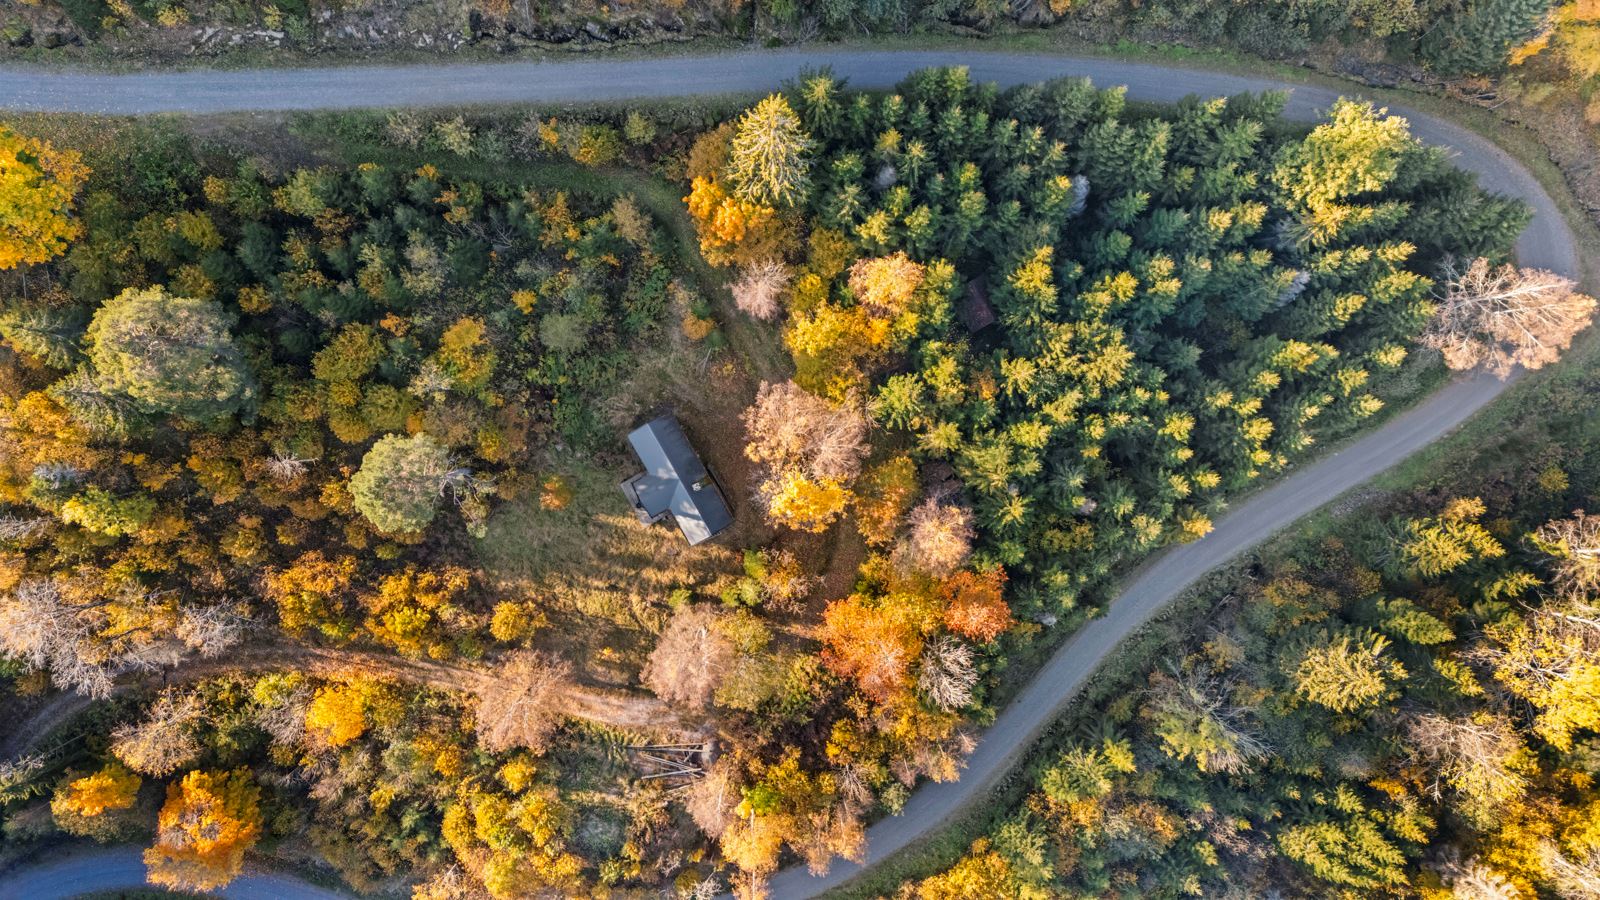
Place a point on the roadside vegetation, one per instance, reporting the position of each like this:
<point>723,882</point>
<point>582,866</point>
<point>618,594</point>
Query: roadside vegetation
<point>322,437</point>
<point>1466,592</point>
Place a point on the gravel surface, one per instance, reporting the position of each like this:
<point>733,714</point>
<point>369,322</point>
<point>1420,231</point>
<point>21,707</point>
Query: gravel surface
<point>1547,244</point>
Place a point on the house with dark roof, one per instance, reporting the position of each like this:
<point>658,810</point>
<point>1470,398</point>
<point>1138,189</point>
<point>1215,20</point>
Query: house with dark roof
<point>675,482</point>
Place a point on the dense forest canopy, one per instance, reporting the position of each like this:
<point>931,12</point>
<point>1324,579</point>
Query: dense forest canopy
<point>1405,705</point>
<point>273,428</point>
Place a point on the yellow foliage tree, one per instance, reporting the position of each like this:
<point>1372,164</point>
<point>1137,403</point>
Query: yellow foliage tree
<point>514,843</point>
<point>338,714</point>
<point>981,873</point>
<point>807,504</point>
<point>37,185</point>
<point>111,788</point>
<point>210,819</point>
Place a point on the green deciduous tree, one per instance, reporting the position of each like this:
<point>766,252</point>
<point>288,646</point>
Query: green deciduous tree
<point>398,486</point>
<point>169,356</point>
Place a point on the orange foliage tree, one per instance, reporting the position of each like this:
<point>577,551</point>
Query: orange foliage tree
<point>210,819</point>
<point>37,184</point>
<point>974,604</point>
<point>885,495</point>
<point>873,644</point>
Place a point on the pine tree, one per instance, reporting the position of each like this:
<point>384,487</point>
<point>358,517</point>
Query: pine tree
<point>400,481</point>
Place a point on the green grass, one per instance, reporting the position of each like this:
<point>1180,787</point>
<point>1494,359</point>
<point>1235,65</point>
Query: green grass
<point>599,573</point>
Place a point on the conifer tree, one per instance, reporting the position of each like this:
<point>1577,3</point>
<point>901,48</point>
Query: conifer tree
<point>768,162</point>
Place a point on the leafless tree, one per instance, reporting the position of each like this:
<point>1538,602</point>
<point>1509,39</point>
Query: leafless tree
<point>1472,880</point>
<point>522,704</point>
<point>1575,544</point>
<point>947,675</point>
<point>284,717</point>
<point>830,832</point>
<point>17,528</point>
<point>450,883</point>
<point>785,584</point>
<point>759,290</point>
<point>1470,757</point>
<point>1574,879</point>
<point>712,800</point>
<point>38,626</point>
<point>286,467</point>
<point>705,890</point>
<point>938,537</point>
<point>211,630</point>
<point>17,777</point>
<point>165,741</point>
<point>1505,317</point>
<point>789,428</point>
<point>691,659</point>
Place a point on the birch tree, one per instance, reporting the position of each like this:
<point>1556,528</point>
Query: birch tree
<point>1503,317</point>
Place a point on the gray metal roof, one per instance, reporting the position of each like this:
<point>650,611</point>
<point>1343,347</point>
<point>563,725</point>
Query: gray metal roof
<point>676,481</point>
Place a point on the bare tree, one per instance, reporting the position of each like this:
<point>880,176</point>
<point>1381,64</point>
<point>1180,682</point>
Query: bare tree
<point>826,833</point>
<point>38,626</point>
<point>705,890</point>
<point>938,538</point>
<point>1575,545</point>
<point>947,675</point>
<point>1472,880</point>
<point>450,883</point>
<point>285,467</point>
<point>1574,879</point>
<point>691,659</point>
<point>1472,758</point>
<point>18,528</point>
<point>788,428</point>
<point>211,630</point>
<point>1505,317</point>
<point>165,741</point>
<point>759,290</point>
<point>522,704</point>
<point>17,778</point>
<point>712,800</point>
<point>284,715</point>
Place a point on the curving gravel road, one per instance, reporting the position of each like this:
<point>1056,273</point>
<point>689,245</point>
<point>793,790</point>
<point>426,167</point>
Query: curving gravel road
<point>118,868</point>
<point>1546,244</point>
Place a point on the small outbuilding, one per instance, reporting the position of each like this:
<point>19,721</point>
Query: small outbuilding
<point>674,481</point>
<point>977,313</point>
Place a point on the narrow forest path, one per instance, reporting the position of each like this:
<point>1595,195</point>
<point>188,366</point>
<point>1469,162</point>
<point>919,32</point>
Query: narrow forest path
<point>633,710</point>
<point>1547,243</point>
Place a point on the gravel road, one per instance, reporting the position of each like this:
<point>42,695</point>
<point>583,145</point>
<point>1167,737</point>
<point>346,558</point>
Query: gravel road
<point>117,868</point>
<point>1547,244</point>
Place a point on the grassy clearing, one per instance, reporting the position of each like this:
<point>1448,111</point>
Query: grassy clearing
<point>600,574</point>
